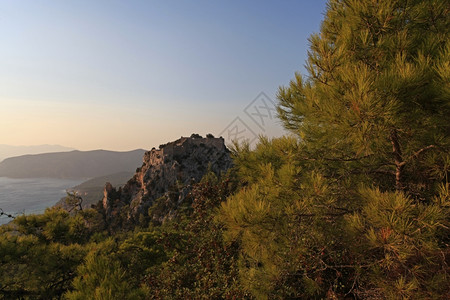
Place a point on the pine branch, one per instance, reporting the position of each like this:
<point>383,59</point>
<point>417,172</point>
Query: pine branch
<point>63,280</point>
<point>336,214</point>
<point>339,158</point>
<point>2,213</point>
<point>349,159</point>
<point>336,208</point>
<point>417,153</point>
<point>398,158</point>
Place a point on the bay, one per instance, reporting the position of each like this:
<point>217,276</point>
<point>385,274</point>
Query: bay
<point>31,195</point>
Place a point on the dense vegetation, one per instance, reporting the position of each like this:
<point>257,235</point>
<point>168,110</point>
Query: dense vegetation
<point>353,204</point>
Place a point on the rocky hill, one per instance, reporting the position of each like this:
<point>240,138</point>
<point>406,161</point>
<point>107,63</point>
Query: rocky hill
<point>165,178</point>
<point>73,164</point>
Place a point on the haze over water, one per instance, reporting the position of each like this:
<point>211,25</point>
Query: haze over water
<point>31,195</point>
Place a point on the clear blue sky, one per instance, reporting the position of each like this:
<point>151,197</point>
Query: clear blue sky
<point>134,74</point>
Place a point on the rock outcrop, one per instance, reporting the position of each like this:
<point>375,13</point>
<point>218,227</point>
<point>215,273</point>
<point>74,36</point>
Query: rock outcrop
<point>166,176</point>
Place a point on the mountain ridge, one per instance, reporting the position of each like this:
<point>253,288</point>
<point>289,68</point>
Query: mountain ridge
<point>72,164</point>
<point>7,151</point>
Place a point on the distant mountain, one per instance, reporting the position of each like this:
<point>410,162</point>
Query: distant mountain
<point>11,151</point>
<point>73,164</point>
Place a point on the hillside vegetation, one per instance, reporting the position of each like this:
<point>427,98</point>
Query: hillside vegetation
<point>353,204</point>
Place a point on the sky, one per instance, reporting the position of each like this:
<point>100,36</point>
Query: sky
<point>122,75</point>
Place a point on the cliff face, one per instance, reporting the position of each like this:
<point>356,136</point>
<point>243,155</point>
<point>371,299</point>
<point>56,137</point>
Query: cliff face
<point>166,175</point>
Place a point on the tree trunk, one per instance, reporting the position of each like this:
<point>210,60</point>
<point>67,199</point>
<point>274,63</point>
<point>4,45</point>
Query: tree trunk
<point>398,159</point>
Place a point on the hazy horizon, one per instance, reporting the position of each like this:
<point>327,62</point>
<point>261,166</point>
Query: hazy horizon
<point>121,76</point>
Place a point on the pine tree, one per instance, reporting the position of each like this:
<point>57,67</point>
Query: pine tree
<point>40,253</point>
<point>376,101</point>
<point>359,204</point>
<point>102,277</point>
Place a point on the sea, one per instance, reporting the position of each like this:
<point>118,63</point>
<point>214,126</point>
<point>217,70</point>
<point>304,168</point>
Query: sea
<point>31,195</point>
